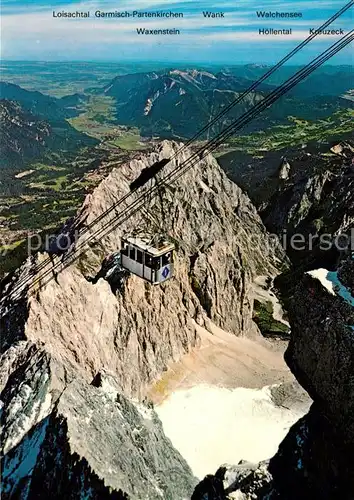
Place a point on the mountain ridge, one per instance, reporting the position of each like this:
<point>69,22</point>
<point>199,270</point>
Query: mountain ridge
<point>64,338</point>
<point>26,137</point>
<point>177,103</point>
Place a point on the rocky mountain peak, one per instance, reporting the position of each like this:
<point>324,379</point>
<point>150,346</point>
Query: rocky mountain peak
<point>135,332</point>
<point>77,350</point>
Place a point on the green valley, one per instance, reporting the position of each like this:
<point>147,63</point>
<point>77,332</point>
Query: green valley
<point>298,132</point>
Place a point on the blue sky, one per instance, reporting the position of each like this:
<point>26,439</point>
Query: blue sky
<point>29,31</point>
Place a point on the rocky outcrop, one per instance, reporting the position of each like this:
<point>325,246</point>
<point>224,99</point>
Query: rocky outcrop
<point>316,459</point>
<point>317,456</point>
<point>284,170</point>
<point>310,194</point>
<point>78,355</point>
<point>316,201</point>
<point>136,332</point>
<point>65,438</point>
<point>307,190</point>
<point>244,481</point>
<point>321,349</point>
<point>23,135</point>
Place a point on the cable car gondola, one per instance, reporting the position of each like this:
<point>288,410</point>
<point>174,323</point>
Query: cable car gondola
<point>152,261</point>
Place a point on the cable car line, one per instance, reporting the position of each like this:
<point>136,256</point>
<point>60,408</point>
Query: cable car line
<point>254,85</point>
<point>251,88</point>
<point>296,78</point>
<point>186,165</point>
<point>336,47</point>
<point>216,118</point>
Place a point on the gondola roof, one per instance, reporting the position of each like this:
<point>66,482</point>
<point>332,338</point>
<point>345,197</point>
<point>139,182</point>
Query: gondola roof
<point>156,250</point>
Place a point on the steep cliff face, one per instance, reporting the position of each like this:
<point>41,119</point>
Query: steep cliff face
<point>137,331</point>
<point>26,136</point>
<point>65,438</point>
<point>313,184</point>
<point>23,136</point>
<point>305,191</point>
<point>56,340</point>
<point>317,455</point>
<point>316,459</point>
<point>316,199</point>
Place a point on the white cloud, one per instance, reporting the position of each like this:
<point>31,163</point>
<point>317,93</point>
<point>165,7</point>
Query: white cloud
<point>23,30</point>
<point>45,25</point>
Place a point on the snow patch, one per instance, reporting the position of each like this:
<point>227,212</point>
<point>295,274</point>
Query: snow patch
<point>150,101</point>
<point>144,411</point>
<point>25,412</point>
<point>45,407</point>
<point>108,389</point>
<point>148,106</point>
<point>19,466</point>
<point>321,275</point>
<point>332,283</point>
<point>212,425</point>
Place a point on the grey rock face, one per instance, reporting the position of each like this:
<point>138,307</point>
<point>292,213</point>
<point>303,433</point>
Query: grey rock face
<point>284,170</point>
<point>65,437</point>
<point>312,193</point>
<point>316,199</point>
<point>321,350</point>
<point>245,481</point>
<point>31,382</point>
<point>84,441</point>
<point>135,333</point>
<point>321,354</point>
<point>316,458</point>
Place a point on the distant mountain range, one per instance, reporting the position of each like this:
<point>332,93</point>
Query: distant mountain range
<point>178,103</point>
<point>34,125</point>
<point>26,137</point>
<point>170,103</point>
<point>43,106</point>
<point>326,80</point>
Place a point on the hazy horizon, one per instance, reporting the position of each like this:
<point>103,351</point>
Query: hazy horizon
<point>31,32</point>
<point>167,63</point>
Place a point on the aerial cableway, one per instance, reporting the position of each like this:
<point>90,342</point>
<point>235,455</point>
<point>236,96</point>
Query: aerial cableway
<point>149,254</point>
<point>225,110</point>
<point>173,175</point>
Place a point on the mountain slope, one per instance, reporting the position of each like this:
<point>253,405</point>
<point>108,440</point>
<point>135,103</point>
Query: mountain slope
<point>63,339</point>
<point>43,106</point>
<point>175,103</point>
<point>22,136</point>
<point>326,80</point>
<point>90,441</point>
<point>211,220</point>
<point>316,459</point>
<point>301,190</point>
<point>179,103</point>
<point>25,137</point>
